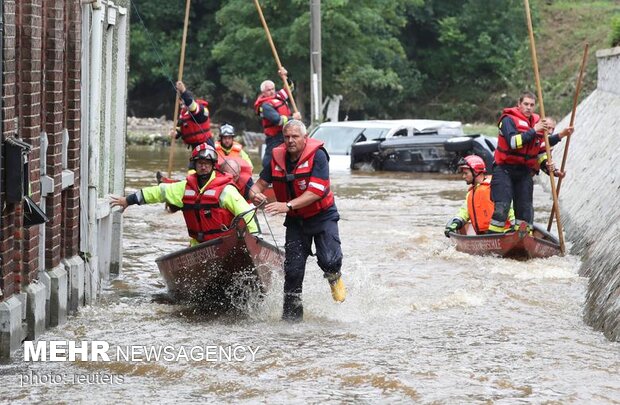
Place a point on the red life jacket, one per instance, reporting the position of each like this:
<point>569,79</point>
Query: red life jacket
<point>289,186</point>
<point>480,206</point>
<point>202,212</point>
<point>234,151</point>
<point>279,104</point>
<point>192,132</point>
<point>528,153</point>
<point>245,173</point>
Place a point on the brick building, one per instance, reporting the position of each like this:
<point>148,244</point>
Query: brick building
<point>64,75</point>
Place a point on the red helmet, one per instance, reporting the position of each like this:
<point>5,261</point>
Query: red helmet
<point>473,162</point>
<point>204,151</point>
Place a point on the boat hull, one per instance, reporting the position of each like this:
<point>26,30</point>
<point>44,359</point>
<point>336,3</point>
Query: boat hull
<point>221,270</point>
<point>517,245</point>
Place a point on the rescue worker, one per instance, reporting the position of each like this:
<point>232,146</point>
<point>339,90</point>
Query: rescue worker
<point>227,147</point>
<point>194,123</point>
<point>299,171</point>
<point>208,198</point>
<point>519,155</point>
<point>478,206</point>
<point>272,107</point>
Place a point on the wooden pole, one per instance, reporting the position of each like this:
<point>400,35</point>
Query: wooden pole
<point>556,206</point>
<point>275,53</point>
<point>572,123</point>
<point>175,117</point>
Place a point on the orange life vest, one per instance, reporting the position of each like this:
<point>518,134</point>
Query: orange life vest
<point>234,151</point>
<point>480,206</point>
<point>287,186</point>
<point>202,212</point>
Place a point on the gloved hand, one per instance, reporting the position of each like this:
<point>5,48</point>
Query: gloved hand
<point>452,227</point>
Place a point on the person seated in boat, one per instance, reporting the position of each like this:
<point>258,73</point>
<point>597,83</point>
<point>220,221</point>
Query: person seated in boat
<point>241,174</point>
<point>208,198</point>
<point>226,147</point>
<point>299,171</point>
<point>478,206</point>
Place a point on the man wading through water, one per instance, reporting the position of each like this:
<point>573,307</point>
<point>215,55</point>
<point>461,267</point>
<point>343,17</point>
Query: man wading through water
<point>299,172</point>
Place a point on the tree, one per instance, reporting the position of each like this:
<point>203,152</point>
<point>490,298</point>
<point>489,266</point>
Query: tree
<point>156,33</point>
<point>362,57</point>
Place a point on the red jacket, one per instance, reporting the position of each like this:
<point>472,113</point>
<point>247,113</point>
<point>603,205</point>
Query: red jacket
<point>289,186</point>
<point>528,153</point>
<point>279,104</point>
<point>202,212</point>
<point>192,132</point>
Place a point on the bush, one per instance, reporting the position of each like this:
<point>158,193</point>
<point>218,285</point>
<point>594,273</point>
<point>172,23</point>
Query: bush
<point>615,31</point>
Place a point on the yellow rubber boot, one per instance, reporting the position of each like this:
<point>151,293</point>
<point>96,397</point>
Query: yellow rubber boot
<point>339,291</point>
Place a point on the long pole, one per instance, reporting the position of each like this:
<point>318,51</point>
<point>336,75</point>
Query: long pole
<point>316,100</point>
<point>175,117</point>
<point>275,53</point>
<point>556,206</point>
<point>572,123</point>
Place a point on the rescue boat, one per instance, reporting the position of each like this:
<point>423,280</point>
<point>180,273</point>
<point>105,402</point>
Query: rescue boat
<point>520,244</point>
<point>222,270</point>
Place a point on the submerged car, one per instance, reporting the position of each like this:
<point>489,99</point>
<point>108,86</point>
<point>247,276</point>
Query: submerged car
<point>403,145</point>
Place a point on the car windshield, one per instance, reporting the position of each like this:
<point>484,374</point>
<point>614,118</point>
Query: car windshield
<point>337,140</point>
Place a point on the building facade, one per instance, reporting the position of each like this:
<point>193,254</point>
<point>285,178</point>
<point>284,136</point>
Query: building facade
<point>64,80</point>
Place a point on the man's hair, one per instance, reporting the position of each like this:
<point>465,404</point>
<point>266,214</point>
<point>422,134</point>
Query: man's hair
<point>527,94</point>
<point>265,84</point>
<point>295,124</point>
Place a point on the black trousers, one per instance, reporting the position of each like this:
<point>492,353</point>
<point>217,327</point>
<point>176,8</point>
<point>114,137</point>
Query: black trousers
<point>512,183</point>
<point>297,249</point>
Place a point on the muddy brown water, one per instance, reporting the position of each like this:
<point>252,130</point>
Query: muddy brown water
<point>422,322</point>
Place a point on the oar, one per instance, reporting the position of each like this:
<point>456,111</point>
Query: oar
<point>176,101</point>
<point>275,53</point>
<point>556,206</point>
<point>572,123</point>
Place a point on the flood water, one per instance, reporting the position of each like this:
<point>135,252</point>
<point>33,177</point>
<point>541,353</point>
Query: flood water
<point>422,322</point>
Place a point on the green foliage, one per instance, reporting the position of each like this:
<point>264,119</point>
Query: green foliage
<point>453,59</point>
<point>362,57</point>
<point>615,31</point>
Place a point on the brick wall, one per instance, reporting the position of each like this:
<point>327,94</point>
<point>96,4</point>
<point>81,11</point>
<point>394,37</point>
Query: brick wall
<point>41,93</point>
<point>7,276</point>
<point>29,77</point>
<point>54,73</point>
<point>71,196</point>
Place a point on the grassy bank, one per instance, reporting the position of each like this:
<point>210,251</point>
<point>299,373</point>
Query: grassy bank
<point>562,28</point>
<point>567,26</point>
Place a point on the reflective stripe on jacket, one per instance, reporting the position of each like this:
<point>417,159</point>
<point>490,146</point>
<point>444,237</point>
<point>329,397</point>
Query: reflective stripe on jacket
<point>523,154</point>
<point>204,217</point>
<point>287,186</point>
<point>193,132</point>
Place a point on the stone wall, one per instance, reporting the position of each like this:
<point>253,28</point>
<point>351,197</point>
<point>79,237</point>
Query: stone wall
<point>590,194</point>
